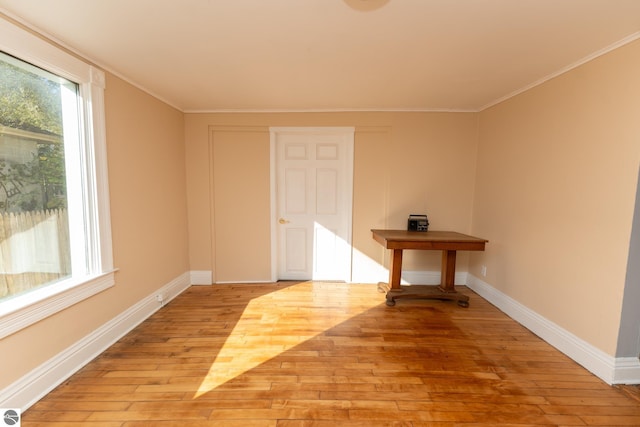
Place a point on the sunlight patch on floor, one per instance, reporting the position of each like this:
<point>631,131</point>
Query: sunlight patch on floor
<point>277,322</point>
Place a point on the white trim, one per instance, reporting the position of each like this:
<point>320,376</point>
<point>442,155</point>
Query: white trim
<point>243,282</point>
<point>630,38</point>
<point>28,310</point>
<point>203,277</point>
<point>627,370</point>
<point>616,45</point>
<point>97,129</point>
<point>365,270</point>
<point>92,209</point>
<point>36,384</point>
<point>429,278</point>
<point>310,129</point>
<point>346,131</point>
<point>59,43</point>
<point>30,388</point>
<point>273,205</point>
<point>601,364</point>
<point>330,110</point>
<point>30,48</point>
<point>350,133</point>
<point>375,273</point>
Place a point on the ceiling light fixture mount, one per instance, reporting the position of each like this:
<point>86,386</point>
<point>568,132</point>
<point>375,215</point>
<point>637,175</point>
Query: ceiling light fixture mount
<point>366,5</point>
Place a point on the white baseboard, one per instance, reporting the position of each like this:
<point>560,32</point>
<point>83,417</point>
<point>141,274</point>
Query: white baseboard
<point>365,270</point>
<point>40,381</point>
<point>243,282</point>
<point>627,370</point>
<point>377,274</point>
<point>606,367</point>
<point>429,278</point>
<point>36,384</point>
<point>201,277</point>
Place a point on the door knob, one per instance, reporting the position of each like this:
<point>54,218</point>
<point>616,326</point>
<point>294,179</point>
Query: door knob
<point>283,221</point>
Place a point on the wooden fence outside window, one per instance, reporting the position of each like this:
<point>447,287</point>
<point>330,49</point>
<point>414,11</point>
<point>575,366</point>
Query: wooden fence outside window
<point>34,250</point>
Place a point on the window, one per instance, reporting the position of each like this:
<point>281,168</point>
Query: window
<point>55,237</point>
<point>38,124</point>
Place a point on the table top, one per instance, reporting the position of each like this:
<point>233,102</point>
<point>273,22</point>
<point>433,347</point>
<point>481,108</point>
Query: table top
<point>442,240</point>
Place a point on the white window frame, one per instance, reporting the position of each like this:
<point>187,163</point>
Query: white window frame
<point>23,310</point>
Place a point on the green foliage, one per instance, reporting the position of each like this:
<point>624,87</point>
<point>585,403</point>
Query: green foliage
<point>52,173</point>
<point>31,102</point>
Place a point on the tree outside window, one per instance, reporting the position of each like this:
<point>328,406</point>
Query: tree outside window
<point>32,168</point>
<point>34,224</point>
<point>55,224</point>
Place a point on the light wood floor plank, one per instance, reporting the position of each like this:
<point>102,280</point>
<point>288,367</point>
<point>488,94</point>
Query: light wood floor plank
<point>315,354</point>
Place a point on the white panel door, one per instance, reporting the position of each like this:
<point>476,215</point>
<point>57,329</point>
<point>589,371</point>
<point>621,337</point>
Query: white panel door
<point>314,186</point>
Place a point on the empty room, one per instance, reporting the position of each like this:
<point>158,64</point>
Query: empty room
<point>319,213</point>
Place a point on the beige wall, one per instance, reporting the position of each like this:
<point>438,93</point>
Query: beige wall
<point>148,205</point>
<point>404,163</point>
<point>549,177</point>
<point>555,191</point>
<point>240,179</point>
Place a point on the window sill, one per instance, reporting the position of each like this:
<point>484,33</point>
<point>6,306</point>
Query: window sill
<point>24,310</point>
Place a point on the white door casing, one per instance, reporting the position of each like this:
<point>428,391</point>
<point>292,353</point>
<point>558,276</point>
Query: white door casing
<point>312,189</point>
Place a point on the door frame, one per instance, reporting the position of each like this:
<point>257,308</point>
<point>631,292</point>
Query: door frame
<point>273,134</point>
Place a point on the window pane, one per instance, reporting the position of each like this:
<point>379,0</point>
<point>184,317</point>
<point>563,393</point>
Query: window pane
<point>34,225</point>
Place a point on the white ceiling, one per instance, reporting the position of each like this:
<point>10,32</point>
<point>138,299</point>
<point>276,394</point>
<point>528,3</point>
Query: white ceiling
<point>333,55</point>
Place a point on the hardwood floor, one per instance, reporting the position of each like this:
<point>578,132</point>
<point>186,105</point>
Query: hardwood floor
<point>327,354</point>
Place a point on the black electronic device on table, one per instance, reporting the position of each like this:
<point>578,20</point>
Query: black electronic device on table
<point>418,223</point>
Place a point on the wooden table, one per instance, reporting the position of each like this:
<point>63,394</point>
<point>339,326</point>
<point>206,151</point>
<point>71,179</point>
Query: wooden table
<point>446,241</point>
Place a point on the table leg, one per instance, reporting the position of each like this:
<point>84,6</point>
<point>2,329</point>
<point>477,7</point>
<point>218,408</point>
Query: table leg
<point>448,271</point>
<point>396,269</point>
<point>445,291</point>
